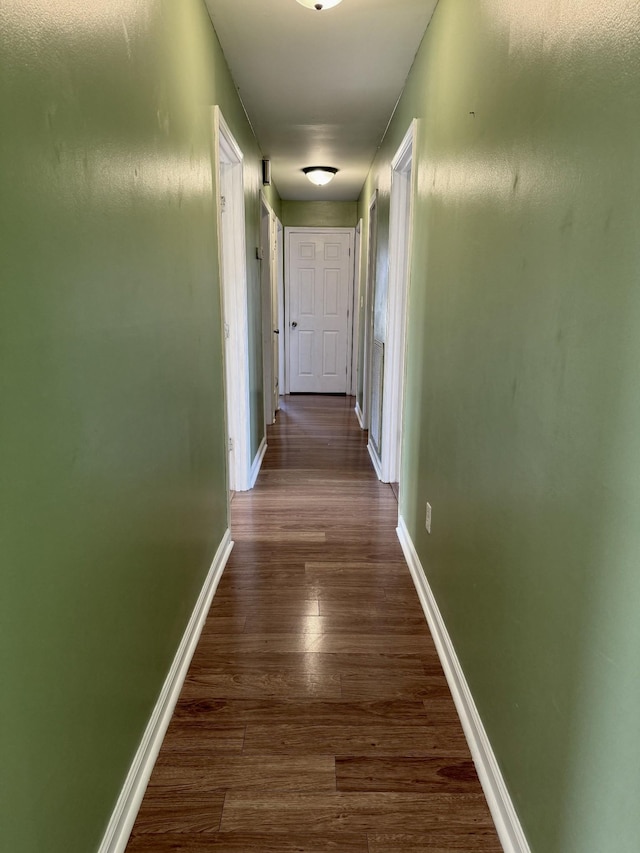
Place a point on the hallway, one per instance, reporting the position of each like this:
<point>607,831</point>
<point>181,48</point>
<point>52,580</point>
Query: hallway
<point>315,716</point>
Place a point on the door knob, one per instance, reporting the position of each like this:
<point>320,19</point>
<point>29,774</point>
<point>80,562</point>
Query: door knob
<point>294,325</point>
<point>276,331</point>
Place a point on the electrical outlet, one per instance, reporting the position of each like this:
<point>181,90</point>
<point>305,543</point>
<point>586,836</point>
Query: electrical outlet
<point>427,521</point>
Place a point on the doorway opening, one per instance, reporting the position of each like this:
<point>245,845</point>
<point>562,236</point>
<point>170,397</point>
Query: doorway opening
<point>229,176</point>
<point>358,302</point>
<point>270,272</point>
<point>364,381</point>
<point>389,338</point>
<point>282,382</point>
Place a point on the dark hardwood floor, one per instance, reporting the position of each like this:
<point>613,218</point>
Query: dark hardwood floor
<point>315,717</point>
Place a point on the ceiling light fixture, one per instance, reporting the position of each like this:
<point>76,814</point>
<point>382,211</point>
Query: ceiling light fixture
<point>319,5</point>
<point>320,175</point>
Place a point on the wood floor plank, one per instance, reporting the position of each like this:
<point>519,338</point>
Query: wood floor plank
<point>389,684</point>
<point>352,582</point>
<point>264,622</point>
<point>231,607</point>
<point>316,665</point>
<point>482,840</point>
<point>236,713</point>
<point>403,773</point>
<point>367,740</point>
<point>378,812</point>
<point>342,571</point>
<point>197,774</point>
<point>311,712</point>
<point>281,535</point>
<point>224,625</point>
<point>300,597</point>
<point>405,597</point>
<point>307,642</point>
<point>264,554</point>
<point>255,683</point>
<point>363,594</point>
<point>169,812</point>
<point>250,842</point>
<point>264,579</point>
<point>352,609</point>
<point>206,736</point>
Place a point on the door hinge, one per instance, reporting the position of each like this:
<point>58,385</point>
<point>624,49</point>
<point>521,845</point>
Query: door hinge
<point>226,331</point>
<point>223,203</point>
<point>230,445</point>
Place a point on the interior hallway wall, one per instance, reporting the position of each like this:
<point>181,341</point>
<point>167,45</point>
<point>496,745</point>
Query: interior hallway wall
<point>112,452</point>
<point>522,421</point>
<point>320,214</point>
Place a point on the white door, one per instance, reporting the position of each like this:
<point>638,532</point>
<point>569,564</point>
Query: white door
<point>268,327</point>
<point>320,276</point>
<point>270,270</point>
<point>281,336</point>
<point>276,266</point>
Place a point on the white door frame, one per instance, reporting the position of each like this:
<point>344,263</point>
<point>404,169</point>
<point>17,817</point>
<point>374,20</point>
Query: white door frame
<point>281,322</point>
<point>269,287</point>
<point>357,292</point>
<point>400,248</point>
<point>369,298</point>
<point>288,231</point>
<point>232,262</point>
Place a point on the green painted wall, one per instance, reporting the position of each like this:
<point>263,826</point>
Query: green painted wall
<point>112,492</point>
<point>320,214</point>
<point>523,402</point>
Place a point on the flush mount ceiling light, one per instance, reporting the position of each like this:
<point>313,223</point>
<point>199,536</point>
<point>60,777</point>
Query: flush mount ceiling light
<point>319,5</point>
<point>320,175</point>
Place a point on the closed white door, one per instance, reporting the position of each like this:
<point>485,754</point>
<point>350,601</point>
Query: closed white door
<point>320,292</point>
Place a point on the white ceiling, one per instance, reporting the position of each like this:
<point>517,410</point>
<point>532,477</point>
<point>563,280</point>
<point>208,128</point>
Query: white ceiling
<point>320,87</point>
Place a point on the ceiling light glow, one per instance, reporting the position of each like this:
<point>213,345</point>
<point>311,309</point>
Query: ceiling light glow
<point>319,5</point>
<point>320,175</point>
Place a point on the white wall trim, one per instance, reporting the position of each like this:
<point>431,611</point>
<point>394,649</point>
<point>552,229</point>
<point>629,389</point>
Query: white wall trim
<point>502,809</point>
<point>358,412</point>
<point>126,809</point>
<point>374,460</point>
<point>257,462</point>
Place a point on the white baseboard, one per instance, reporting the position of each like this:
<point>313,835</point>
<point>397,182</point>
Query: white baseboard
<point>374,459</point>
<point>502,809</point>
<point>257,462</point>
<point>124,815</point>
<point>359,415</point>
